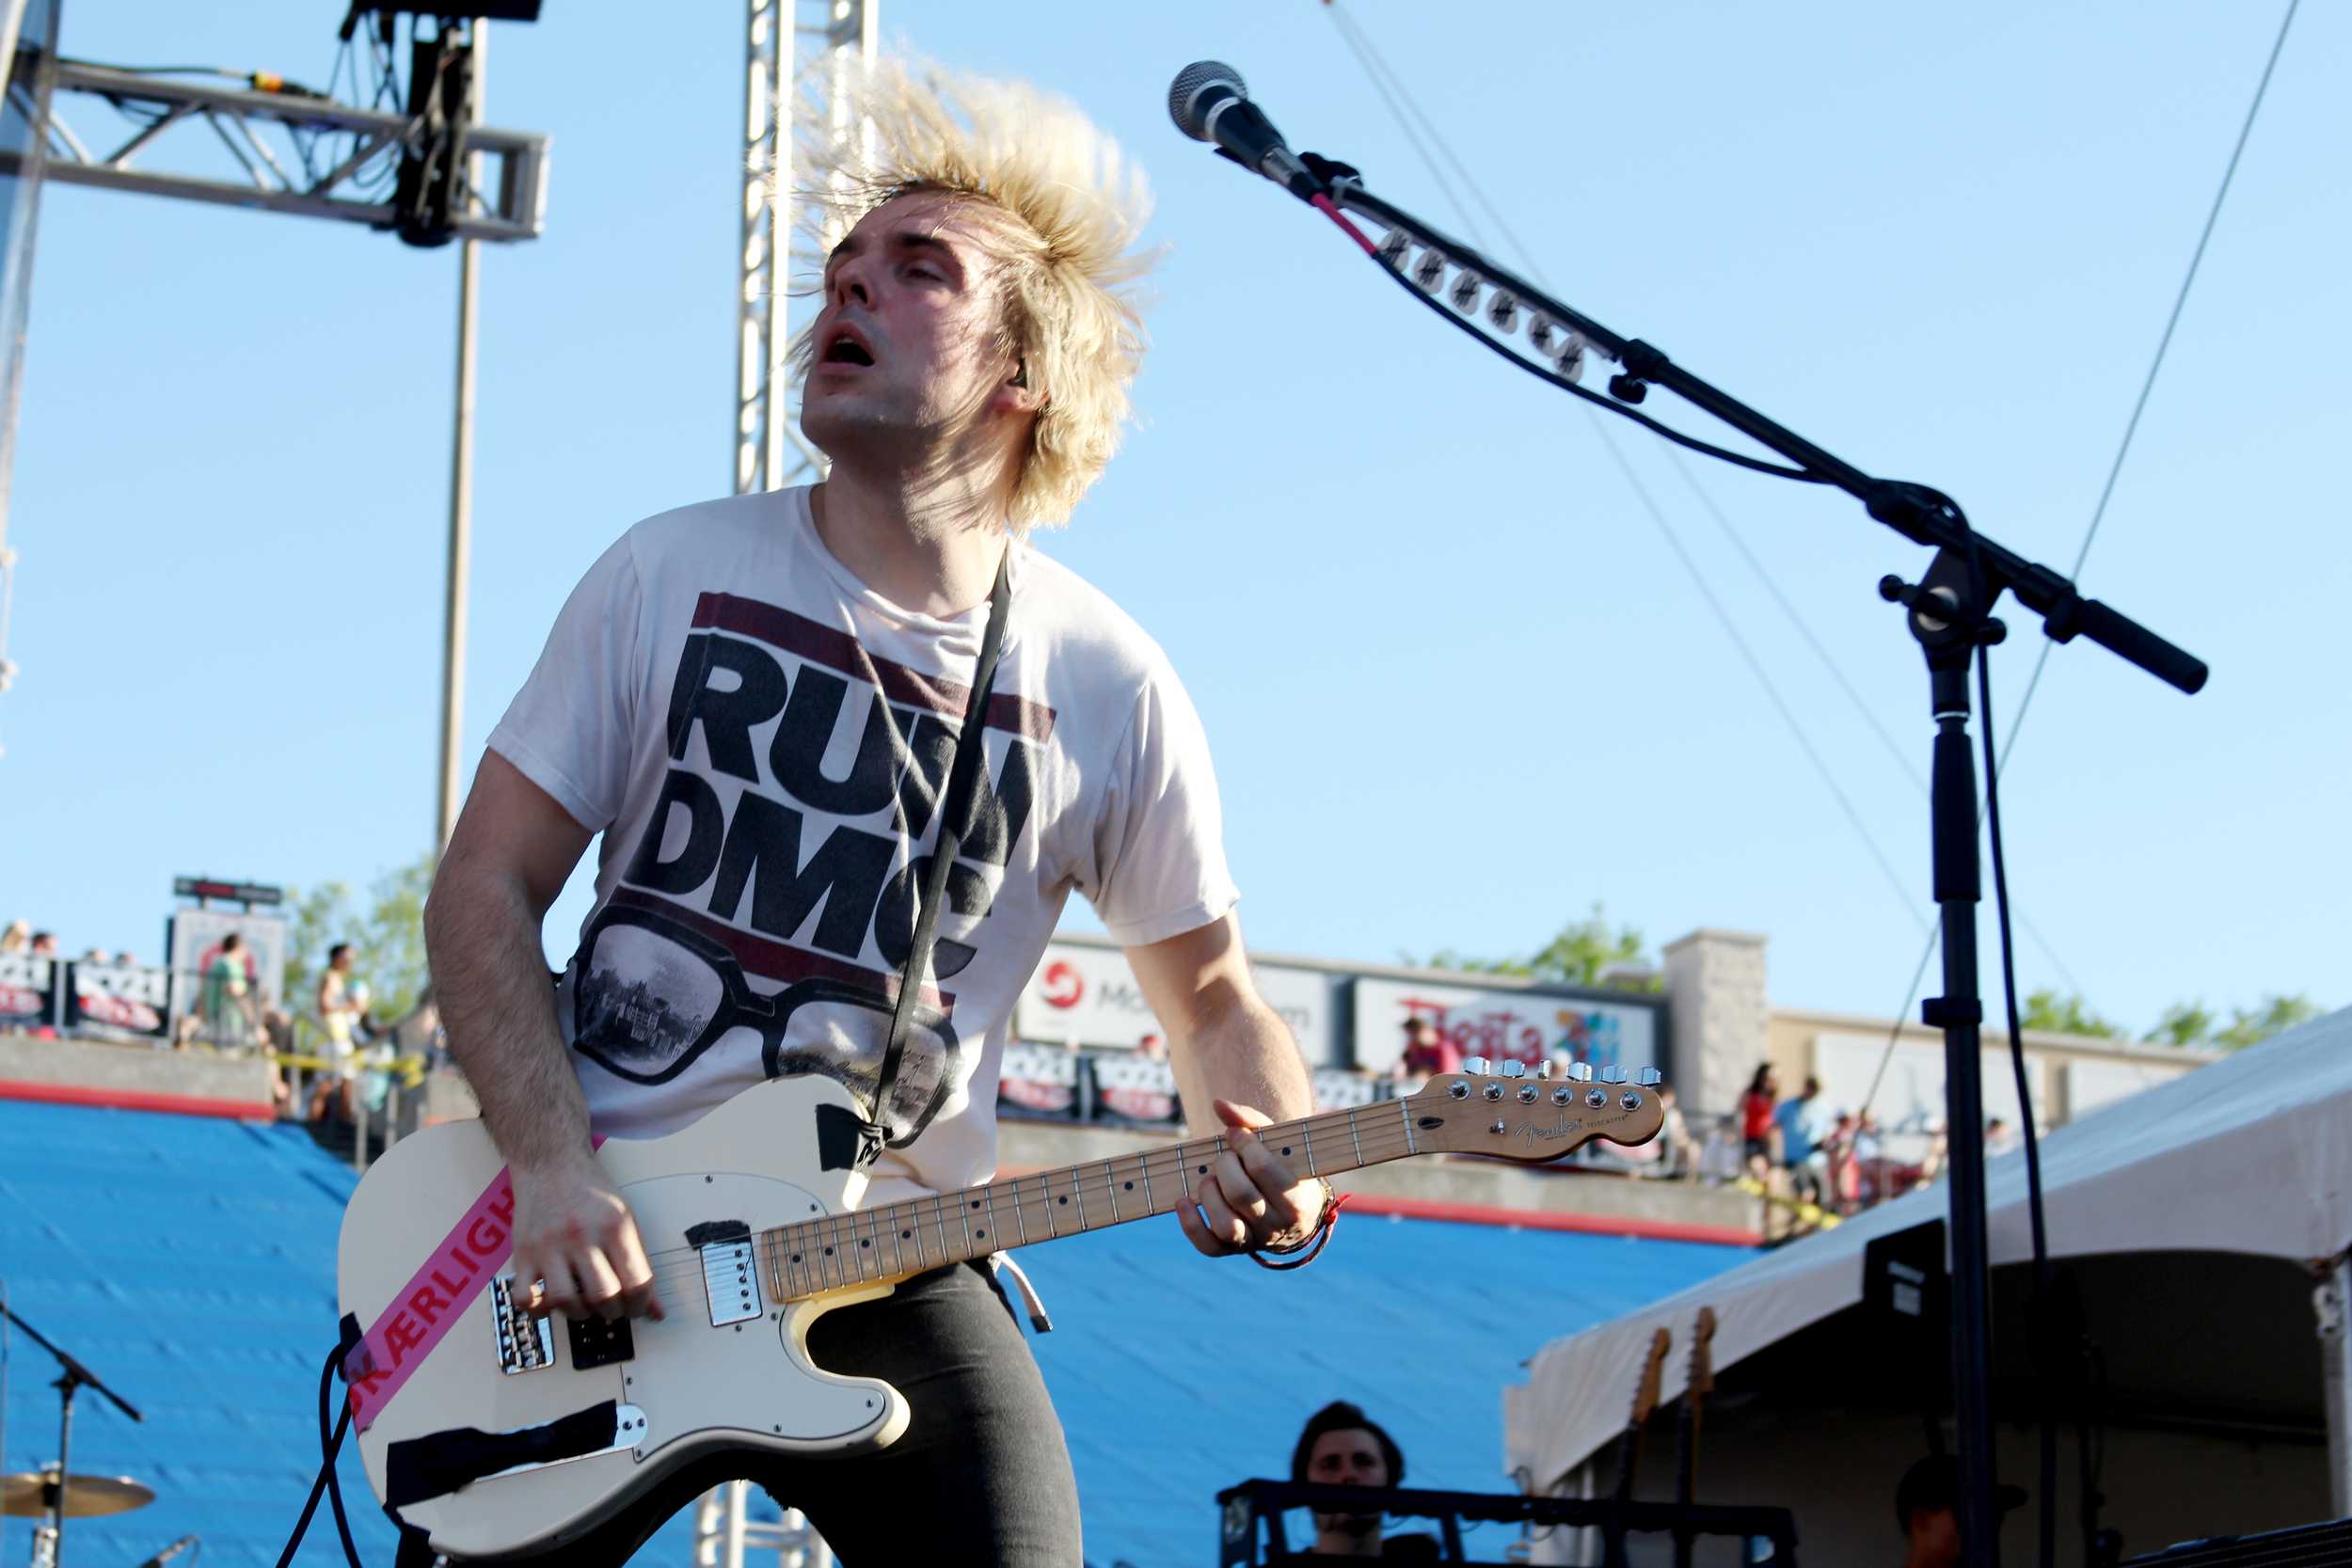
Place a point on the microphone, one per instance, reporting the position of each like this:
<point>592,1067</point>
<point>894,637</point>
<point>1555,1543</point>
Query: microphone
<point>169,1552</point>
<point>1209,101</point>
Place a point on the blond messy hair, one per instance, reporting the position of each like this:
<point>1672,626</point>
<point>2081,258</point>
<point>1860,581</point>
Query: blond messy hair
<point>1061,208</point>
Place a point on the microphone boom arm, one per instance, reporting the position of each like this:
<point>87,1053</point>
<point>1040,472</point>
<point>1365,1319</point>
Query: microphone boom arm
<point>1919,513</point>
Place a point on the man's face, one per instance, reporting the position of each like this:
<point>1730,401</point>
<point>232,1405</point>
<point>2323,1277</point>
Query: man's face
<point>906,344</point>
<point>1934,1536</point>
<point>1347,1456</point>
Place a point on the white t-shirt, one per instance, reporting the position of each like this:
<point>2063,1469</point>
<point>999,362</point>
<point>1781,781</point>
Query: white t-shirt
<point>762,740</point>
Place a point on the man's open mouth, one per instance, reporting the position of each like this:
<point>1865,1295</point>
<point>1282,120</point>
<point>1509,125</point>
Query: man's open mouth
<point>843,348</point>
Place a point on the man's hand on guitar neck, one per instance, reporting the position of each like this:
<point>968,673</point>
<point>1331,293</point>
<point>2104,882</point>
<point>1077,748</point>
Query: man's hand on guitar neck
<point>1231,1051</point>
<point>1251,1198</point>
<point>574,1232</point>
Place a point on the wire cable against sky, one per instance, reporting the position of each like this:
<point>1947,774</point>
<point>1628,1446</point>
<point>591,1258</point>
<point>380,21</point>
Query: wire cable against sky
<point>1403,106</point>
<point>2165,342</point>
<point>1406,110</point>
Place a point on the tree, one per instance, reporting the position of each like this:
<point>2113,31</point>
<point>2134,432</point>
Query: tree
<point>2274,1014</point>
<point>2193,1024</point>
<point>1581,952</point>
<point>2065,1015</point>
<point>387,939</point>
<point>2183,1023</point>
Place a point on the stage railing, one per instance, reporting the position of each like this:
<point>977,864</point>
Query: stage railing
<point>1250,1528</point>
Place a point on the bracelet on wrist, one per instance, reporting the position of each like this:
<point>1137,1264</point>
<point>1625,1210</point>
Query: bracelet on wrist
<point>1304,1251</point>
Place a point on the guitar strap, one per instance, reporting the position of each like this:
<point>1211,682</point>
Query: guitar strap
<point>955,821</point>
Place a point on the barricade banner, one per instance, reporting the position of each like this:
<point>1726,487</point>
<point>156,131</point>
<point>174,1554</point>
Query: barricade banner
<point>1039,1080</point>
<point>1338,1090</point>
<point>1136,1089</point>
<point>119,1001</point>
<point>28,990</point>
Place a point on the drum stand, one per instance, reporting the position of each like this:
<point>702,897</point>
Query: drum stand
<point>49,1536</point>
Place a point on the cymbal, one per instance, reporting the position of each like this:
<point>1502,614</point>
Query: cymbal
<point>23,1495</point>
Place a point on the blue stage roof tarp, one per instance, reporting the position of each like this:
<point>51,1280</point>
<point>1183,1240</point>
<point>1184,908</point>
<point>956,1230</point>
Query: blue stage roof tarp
<point>190,1263</point>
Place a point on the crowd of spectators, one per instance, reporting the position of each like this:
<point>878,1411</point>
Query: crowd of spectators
<point>1829,1162</point>
<point>232,1012</point>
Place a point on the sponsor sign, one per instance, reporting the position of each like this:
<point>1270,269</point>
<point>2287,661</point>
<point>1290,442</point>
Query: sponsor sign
<point>213,887</point>
<point>1136,1089</point>
<point>1085,995</point>
<point>196,938</point>
<point>1039,1079</point>
<point>119,1001</point>
<point>1504,1025</point>
<point>1337,1090</point>
<point>28,990</point>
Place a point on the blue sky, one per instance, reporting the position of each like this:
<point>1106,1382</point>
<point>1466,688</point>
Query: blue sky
<point>1459,686</point>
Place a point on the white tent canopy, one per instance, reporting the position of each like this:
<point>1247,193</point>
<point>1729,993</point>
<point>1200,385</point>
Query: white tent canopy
<point>2252,1155</point>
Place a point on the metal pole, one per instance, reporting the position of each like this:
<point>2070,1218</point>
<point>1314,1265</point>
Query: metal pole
<point>2333,1302</point>
<point>461,476</point>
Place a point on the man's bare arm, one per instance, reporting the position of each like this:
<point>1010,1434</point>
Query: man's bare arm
<point>1238,1068</point>
<point>506,862</point>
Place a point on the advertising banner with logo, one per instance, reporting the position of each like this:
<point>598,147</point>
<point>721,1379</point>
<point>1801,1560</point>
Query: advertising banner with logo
<point>1504,1025</point>
<point>1039,1080</point>
<point>119,1001</point>
<point>28,990</point>
<point>1086,995</point>
<point>197,936</point>
<point>1136,1089</point>
<point>1338,1090</point>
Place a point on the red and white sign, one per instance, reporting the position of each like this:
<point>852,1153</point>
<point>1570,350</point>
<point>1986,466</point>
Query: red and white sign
<point>1504,1025</point>
<point>1039,1078</point>
<point>1085,995</point>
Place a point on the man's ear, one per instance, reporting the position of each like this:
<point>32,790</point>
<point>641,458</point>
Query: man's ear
<point>1017,394</point>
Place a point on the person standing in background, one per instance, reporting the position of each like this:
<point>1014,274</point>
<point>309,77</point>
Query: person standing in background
<point>1755,1121</point>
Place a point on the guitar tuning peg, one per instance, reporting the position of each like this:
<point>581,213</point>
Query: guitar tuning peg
<point>1515,1069</point>
<point>1649,1078</point>
<point>1612,1075</point>
<point>1477,1066</point>
<point>1581,1072</point>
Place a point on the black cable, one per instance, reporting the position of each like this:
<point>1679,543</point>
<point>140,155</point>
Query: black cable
<point>328,1482</point>
<point>1756,666</point>
<point>326,1469</point>
<point>2036,1313</point>
<point>1775,469</point>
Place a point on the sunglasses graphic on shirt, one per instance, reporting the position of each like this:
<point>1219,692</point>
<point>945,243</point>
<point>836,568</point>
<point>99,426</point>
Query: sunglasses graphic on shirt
<point>650,995</point>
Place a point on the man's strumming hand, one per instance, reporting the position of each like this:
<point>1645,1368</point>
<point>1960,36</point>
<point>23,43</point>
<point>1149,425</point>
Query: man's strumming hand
<point>574,1231</point>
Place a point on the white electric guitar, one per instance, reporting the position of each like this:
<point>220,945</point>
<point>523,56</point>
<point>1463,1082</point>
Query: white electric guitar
<point>496,1432</point>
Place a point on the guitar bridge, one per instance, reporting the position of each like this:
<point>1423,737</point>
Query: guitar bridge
<point>525,1343</point>
<point>730,1271</point>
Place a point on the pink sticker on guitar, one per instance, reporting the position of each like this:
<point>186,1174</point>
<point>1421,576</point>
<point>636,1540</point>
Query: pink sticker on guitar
<point>435,1297</point>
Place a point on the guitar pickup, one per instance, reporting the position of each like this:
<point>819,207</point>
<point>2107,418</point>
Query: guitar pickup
<point>525,1343</point>
<point>730,1270</point>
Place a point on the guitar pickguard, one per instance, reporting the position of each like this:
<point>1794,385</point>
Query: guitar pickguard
<point>727,1366</point>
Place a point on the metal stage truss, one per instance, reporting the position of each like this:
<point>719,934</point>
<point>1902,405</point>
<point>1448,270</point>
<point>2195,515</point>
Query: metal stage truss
<point>799,56</point>
<point>292,149</point>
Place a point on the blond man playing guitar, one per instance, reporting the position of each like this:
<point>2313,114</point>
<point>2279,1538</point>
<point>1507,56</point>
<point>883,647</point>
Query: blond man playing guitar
<point>752,702</point>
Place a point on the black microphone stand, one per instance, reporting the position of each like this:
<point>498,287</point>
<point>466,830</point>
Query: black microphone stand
<point>1950,617</point>
<point>69,1383</point>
